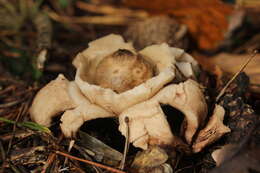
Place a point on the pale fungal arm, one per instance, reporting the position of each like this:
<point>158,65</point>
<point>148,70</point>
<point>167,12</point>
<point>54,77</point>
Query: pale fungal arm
<point>73,119</point>
<point>147,125</point>
<point>188,98</point>
<point>213,131</point>
<point>61,95</point>
<point>51,100</point>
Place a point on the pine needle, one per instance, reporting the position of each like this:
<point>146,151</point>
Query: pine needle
<point>90,162</point>
<point>235,76</point>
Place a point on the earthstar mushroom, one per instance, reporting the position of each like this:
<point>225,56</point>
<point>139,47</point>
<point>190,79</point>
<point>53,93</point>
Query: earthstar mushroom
<point>102,88</point>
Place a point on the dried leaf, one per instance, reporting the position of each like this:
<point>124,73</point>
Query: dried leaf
<point>206,20</point>
<point>151,161</point>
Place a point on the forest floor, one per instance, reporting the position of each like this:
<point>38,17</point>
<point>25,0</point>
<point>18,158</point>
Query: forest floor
<point>40,39</point>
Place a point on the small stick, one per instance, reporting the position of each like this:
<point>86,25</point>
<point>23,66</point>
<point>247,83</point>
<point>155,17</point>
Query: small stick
<point>49,162</point>
<point>72,142</point>
<point>90,162</point>
<point>10,104</point>
<point>96,20</point>
<point>122,164</point>
<point>110,10</point>
<point>21,109</point>
<point>235,76</point>
<point>51,157</point>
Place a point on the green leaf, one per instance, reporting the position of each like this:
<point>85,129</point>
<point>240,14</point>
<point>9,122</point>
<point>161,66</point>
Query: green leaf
<point>28,124</point>
<point>35,126</point>
<point>7,120</point>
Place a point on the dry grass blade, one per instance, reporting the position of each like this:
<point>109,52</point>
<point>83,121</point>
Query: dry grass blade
<point>234,77</point>
<point>98,20</point>
<point>90,162</point>
<point>110,10</point>
<point>10,104</point>
<point>122,164</point>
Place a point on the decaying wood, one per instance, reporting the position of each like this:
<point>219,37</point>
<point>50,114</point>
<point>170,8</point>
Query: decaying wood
<point>101,151</point>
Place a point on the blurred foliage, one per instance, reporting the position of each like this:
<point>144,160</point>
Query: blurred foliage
<point>13,13</point>
<point>21,65</point>
<point>17,19</point>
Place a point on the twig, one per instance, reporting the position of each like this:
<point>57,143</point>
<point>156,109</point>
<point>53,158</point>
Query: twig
<point>49,161</point>
<point>98,20</point>
<point>51,157</point>
<point>14,127</point>
<point>181,169</point>
<point>19,134</point>
<point>77,166</point>
<point>3,155</point>
<point>71,144</point>
<point>21,111</point>
<point>122,164</point>
<point>90,162</point>
<point>110,10</point>
<point>255,84</point>
<point>2,151</point>
<point>7,89</point>
<point>10,104</point>
<point>235,76</point>
<point>177,163</point>
<point>14,168</point>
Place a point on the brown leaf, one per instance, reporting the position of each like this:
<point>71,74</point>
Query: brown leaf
<point>206,20</point>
